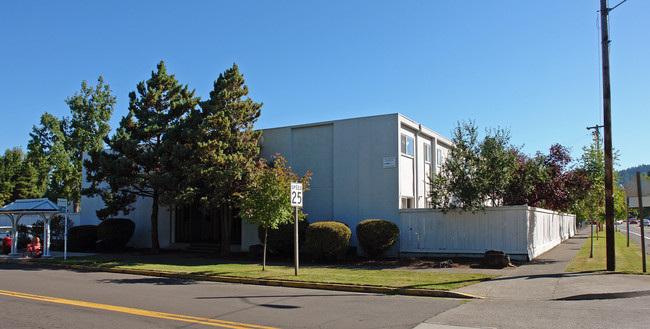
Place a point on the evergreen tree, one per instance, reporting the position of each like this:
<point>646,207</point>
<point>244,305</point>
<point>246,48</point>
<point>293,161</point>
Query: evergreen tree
<point>27,183</point>
<point>217,150</point>
<point>10,167</point>
<point>136,166</point>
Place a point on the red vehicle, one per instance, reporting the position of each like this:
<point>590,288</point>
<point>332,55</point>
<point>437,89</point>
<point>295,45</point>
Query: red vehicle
<point>633,221</point>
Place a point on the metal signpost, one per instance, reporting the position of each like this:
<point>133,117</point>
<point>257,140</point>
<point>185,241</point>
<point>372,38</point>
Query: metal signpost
<point>62,204</point>
<point>296,201</point>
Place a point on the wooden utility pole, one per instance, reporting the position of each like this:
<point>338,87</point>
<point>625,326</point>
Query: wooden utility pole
<point>607,122</point>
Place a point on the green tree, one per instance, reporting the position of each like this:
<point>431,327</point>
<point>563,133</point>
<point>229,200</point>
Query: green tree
<point>91,110</point>
<point>136,164</point>
<point>475,172</point>
<point>216,150</point>
<point>497,164</point>
<point>46,149</point>
<point>266,202</point>
<point>27,183</point>
<point>10,167</point>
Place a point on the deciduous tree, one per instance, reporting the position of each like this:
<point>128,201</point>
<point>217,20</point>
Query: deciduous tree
<point>266,201</point>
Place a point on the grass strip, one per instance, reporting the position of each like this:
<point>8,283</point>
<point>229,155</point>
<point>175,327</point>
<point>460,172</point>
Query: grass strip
<point>326,274</point>
<point>628,259</point>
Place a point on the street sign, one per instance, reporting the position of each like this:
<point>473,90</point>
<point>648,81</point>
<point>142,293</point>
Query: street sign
<point>296,194</point>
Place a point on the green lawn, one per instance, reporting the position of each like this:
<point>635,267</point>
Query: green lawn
<point>319,274</point>
<point>628,259</point>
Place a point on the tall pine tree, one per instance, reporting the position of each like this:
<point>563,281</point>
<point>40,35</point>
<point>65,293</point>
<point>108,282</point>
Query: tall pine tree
<point>136,166</point>
<point>218,151</point>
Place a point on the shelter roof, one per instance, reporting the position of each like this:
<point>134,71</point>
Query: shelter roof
<point>30,205</point>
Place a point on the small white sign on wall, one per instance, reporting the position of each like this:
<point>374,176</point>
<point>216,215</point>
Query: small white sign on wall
<point>389,162</point>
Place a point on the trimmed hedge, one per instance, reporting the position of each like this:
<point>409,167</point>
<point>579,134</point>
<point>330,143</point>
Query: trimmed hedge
<point>82,238</point>
<point>115,233</point>
<point>328,239</point>
<point>376,236</point>
<point>280,241</point>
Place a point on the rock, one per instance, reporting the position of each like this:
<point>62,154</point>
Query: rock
<point>496,259</point>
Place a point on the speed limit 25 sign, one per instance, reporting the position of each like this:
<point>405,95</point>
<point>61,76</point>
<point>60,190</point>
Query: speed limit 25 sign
<point>296,194</point>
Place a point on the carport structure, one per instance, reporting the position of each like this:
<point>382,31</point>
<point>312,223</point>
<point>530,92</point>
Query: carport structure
<point>19,208</point>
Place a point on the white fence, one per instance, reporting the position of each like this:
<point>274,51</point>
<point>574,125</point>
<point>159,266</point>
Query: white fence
<point>520,231</point>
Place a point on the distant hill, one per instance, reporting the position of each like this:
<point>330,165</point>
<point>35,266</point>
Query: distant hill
<point>630,173</point>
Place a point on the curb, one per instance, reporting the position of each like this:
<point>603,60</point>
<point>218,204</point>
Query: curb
<point>264,282</point>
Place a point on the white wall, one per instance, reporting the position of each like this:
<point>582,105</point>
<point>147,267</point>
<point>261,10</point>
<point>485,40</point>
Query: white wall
<point>520,231</point>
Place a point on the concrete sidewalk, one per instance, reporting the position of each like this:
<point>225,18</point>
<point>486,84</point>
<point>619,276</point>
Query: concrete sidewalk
<point>541,295</point>
<point>544,278</point>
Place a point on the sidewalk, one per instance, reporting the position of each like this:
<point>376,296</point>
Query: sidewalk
<point>541,295</point>
<point>544,278</point>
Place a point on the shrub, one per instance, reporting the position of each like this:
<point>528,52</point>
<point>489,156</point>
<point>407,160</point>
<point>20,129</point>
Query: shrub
<point>57,231</point>
<point>82,238</point>
<point>23,236</point>
<point>376,236</point>
<point>328,239</point>
<point>280,241</point>
<point>114,233</point>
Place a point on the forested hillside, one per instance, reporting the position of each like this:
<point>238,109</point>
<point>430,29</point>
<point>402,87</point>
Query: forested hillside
<point>629,173</point>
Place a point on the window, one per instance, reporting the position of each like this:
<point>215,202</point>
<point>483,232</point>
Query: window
<point>439,160</point>
<point>427,153</point>
<point>407,203</point>
<point>407,145</point>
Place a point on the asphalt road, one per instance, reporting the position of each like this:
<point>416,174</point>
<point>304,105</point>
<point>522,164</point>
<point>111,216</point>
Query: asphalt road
<point>32,297</point>
<point>635,234</point>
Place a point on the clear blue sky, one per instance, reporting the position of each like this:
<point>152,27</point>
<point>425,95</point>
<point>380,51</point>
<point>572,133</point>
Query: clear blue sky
<point>531,66</point>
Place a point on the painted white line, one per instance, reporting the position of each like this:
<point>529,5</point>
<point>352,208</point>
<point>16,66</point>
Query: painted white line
<point>645,235</point>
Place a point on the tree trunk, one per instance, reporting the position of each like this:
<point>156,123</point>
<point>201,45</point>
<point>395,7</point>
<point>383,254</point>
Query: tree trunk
<point>226,222</point>
<point>155,245</point>
<point>266,231</point>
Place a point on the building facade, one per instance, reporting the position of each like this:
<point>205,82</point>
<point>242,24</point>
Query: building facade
<point>362,168</point>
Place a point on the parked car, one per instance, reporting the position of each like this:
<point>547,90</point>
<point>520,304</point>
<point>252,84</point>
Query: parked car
<point>619,222</point>
<point>646,222</point>
<point>633,221</point>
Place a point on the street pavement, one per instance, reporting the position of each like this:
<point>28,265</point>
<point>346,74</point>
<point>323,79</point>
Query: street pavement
<point>540,295</point>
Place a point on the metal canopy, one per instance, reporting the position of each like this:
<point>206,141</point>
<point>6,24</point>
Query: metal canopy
<point>17,209</point>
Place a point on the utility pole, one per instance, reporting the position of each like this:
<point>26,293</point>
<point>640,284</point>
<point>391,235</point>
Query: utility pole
<point>607,122</point>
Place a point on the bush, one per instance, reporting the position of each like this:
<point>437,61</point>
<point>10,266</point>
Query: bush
<point>57,231</point>
<point>328,239</point>
<point>376,236</point>
<point>82,238</point>
<point>114,233</point>
<point>280,240</point>
<point>24,238</point>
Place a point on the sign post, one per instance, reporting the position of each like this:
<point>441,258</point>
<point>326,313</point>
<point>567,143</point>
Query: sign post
<point>62,205</point>
<point>296,201</point>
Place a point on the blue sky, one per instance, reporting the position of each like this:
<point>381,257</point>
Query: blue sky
<point>531,66</point>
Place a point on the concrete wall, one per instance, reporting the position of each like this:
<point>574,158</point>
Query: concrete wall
<point>522,232</point>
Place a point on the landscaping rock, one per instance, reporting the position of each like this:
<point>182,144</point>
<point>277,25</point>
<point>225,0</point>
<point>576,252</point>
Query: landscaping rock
<point>496,259</point>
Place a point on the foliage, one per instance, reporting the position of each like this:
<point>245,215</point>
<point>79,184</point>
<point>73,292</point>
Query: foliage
<point>10,165</point>
<point>627,174</point>
<point>57,145</point>
<point>280,240</point>
<point>475,172</point>
<point>26,186</point>
<point>115,233</point>
<point>82,238</point>
<point>376,235</point>
<point>216,149</point>
<point>137,165</point>
<point>328,239</point>
<point>266,202</point>
<point>528,173</point>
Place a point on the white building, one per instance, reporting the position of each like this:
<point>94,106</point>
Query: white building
<point>362,168</point>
